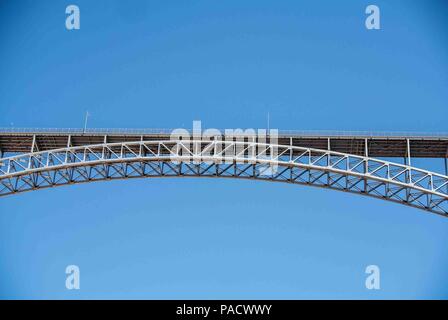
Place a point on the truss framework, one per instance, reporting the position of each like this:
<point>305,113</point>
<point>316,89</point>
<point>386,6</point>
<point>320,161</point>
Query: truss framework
<point>232,159</point>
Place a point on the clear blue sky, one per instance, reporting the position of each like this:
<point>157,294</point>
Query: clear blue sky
<point>146,64</point>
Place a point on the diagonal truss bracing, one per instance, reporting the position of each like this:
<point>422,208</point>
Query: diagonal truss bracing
<point>235,159</point>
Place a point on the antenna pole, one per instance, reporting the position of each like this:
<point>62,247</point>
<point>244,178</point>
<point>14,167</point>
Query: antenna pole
<point>85,121</point>
<point>268,122</point>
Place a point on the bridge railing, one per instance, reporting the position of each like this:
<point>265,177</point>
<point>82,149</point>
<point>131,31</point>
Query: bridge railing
<point>167,131</point>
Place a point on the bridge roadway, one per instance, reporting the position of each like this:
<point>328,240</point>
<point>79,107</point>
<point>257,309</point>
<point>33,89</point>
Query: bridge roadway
<point>377,145</point>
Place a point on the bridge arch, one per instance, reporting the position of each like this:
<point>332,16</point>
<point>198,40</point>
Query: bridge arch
<point>227,159</point>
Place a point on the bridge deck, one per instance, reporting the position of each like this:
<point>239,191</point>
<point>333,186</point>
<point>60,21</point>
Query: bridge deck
<point>378,145</point>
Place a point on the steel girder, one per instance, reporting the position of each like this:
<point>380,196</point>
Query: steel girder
<point>236,159</point>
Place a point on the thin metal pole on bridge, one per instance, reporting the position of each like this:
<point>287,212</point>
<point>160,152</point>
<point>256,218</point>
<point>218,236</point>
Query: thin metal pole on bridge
<point>268,122</point>
<point>85,121</point>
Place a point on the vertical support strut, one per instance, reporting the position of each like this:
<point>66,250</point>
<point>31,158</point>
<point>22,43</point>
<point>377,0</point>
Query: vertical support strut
<point>69,144</point>
<point>366,163</point>
<point>408,147</point>
<point>328,160</point>
<point>366,147</point>
<point>446,166</point>
<point>140,147</point>
<point>409,177</point>
<point>33,144</point>
<point>408,152</point>
<point>446,170</point>
<point>446,162</point>
<point>290,149</point>
<point>104,154</point>
<point>291,155</point>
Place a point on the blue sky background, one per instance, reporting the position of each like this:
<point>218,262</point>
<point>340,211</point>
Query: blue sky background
<point>162,64</point>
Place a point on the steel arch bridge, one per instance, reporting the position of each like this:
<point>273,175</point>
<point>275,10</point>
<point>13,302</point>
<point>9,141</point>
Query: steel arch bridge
<point>49,164</point>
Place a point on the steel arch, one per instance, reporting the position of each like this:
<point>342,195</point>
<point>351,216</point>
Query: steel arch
<point>236,159</point>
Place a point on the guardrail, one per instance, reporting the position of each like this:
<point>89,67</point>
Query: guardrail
<point>155,131</point>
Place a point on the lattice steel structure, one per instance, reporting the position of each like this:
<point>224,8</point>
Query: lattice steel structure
<point>325,168</point>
